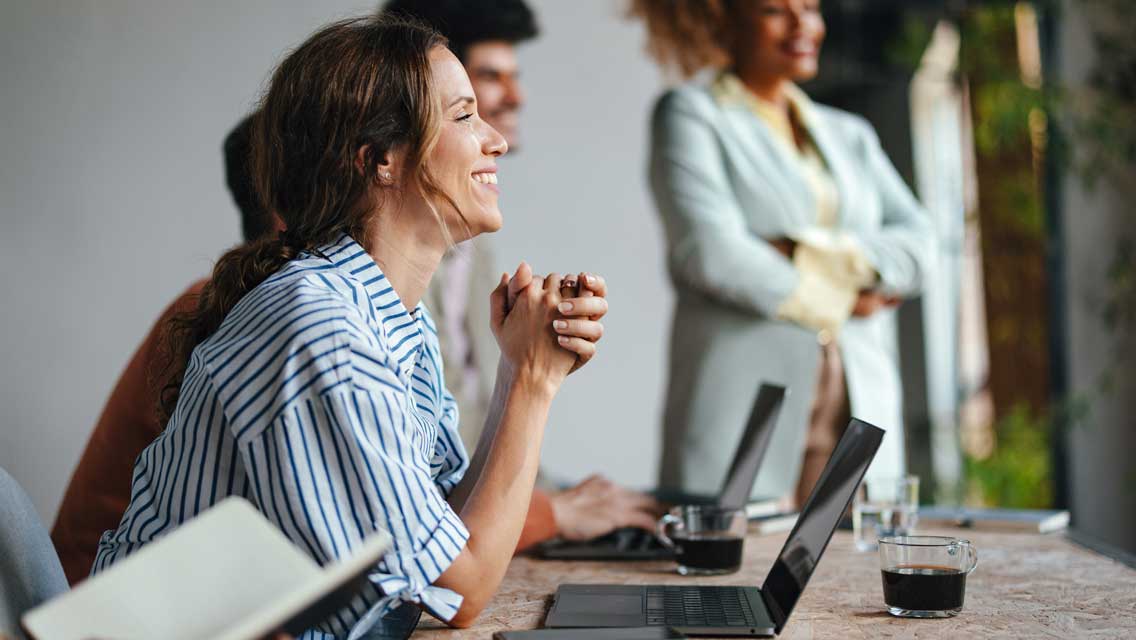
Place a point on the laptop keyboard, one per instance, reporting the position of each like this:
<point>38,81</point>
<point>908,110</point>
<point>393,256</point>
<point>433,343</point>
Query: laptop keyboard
<point>632,539</point>
<point>699,606</point>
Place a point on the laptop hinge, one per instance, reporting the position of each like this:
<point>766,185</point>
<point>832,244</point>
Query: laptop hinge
<point>774,610</point>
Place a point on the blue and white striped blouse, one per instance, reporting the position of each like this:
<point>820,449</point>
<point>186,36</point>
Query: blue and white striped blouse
<point>320,399</point>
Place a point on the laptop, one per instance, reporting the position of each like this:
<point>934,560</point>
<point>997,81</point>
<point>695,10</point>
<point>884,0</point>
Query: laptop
<point>727,610</point>
<point>630,543</point>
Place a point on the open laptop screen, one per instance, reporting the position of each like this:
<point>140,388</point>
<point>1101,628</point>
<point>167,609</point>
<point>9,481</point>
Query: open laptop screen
<point>819,517</point>
<point>738,483</point>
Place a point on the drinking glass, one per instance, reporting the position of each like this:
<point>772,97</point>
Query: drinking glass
<point>884,507</point>
<point>925,576</point>
<point>706,540</point>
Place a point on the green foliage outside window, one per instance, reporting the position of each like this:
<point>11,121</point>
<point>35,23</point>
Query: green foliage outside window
<point>1018,473</point>
<point>1098,123</point>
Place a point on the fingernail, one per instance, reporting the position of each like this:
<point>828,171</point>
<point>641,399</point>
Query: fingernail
<point>560,324</point>
<point>562,339</point>
<point>564,307</point>
<point>589,280</point>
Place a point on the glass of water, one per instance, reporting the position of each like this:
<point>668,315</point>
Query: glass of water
<point>884,507</point>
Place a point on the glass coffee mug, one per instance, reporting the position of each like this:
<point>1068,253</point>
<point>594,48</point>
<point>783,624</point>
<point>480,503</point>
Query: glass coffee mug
<point>925,576</point>
<point>706,540</point>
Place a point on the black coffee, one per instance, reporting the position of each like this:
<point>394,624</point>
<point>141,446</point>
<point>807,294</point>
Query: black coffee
<point>709,551</point>
<point>924,587</point>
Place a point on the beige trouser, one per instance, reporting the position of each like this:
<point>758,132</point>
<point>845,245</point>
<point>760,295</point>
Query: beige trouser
<point>828,418</point>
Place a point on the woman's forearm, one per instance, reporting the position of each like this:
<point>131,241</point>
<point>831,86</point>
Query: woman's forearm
<point>494,497</point>
<point>501,387</point>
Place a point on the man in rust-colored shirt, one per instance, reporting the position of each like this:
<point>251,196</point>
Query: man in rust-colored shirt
<point>99,489</point>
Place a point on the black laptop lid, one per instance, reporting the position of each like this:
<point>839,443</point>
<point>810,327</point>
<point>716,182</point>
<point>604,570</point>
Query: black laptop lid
<point>819,517</point>
<point>751,449</point>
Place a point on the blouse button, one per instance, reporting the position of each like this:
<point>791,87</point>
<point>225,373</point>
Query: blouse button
<point>824,337</point>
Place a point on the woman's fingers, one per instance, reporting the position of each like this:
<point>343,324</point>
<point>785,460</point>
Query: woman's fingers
<point>521,279</point>
<point>498,302</point>
<point>594,284</point>
<point>570,284</point>
<point>579,328</point>
<point>579,346</point>
<point>594,307</point>
<point>552,282</point>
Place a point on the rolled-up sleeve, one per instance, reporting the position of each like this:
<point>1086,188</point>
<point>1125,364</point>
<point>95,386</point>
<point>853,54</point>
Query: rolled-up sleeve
<point>343,462</point>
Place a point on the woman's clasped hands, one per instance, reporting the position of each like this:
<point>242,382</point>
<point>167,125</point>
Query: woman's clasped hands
<point>547,327</point>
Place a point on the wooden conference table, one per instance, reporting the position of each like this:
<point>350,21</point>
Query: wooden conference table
<point>1026,586</point>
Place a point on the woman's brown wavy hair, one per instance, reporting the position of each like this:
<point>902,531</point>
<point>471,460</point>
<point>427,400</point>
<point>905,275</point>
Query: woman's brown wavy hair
<point>356,88</point>
<point>689,35</point>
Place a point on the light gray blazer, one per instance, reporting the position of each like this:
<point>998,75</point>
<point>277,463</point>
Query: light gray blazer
<point>721,183</point>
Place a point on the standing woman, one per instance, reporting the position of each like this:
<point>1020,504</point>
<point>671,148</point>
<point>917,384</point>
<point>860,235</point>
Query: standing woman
<point>309,378</point>
<point>790,237</point>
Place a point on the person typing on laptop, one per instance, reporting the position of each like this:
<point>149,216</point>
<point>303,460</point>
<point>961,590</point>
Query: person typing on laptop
<point>735,492</point>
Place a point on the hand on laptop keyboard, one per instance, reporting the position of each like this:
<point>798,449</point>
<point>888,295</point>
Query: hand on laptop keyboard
<point>597,506</point>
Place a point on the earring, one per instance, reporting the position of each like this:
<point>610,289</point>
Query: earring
<point>386,175</point>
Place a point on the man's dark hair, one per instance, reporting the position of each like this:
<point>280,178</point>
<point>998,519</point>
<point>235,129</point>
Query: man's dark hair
<point>468,22</point>
<point>255,220</point>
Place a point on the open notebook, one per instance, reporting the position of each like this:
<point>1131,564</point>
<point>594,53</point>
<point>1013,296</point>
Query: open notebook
<point>227,574</point>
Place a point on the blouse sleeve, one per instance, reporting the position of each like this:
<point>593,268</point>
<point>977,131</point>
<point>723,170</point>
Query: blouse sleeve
<point>346,457</point>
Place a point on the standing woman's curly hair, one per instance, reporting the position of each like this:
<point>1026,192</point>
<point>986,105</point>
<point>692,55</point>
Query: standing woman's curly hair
<point>353,91</point>
<point>689,35</point>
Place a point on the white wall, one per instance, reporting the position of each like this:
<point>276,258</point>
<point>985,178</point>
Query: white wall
<point>112,200</point>
<point>575,198</point>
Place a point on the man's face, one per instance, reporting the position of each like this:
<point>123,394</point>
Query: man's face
<point>492,69</point>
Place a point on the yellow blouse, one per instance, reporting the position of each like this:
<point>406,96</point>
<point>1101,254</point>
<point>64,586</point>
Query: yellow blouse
<point>831,264</point>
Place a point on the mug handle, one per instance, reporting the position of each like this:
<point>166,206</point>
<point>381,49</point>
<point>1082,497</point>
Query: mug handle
<point>661,527</point>
<point>972,556</point>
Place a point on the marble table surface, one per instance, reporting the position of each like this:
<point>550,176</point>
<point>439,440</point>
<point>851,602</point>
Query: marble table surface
<point>1026,586</point>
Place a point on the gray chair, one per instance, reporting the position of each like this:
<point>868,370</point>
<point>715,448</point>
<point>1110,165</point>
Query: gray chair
<point>30,572</point>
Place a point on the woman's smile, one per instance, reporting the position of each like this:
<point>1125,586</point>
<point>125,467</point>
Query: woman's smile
<point>486,178</point>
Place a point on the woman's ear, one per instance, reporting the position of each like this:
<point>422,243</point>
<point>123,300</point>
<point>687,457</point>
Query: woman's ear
<point>388,170</point>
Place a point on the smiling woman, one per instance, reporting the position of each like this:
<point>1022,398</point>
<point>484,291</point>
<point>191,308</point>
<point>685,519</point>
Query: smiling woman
<point>309,380</point>
<point>464,156</point>
<point>790,240</point>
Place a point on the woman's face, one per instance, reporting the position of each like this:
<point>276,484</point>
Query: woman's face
<point>464,162</point>
<point>781,39</point>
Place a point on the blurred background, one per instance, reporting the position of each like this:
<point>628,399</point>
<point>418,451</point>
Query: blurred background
<point>1014,122</point>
